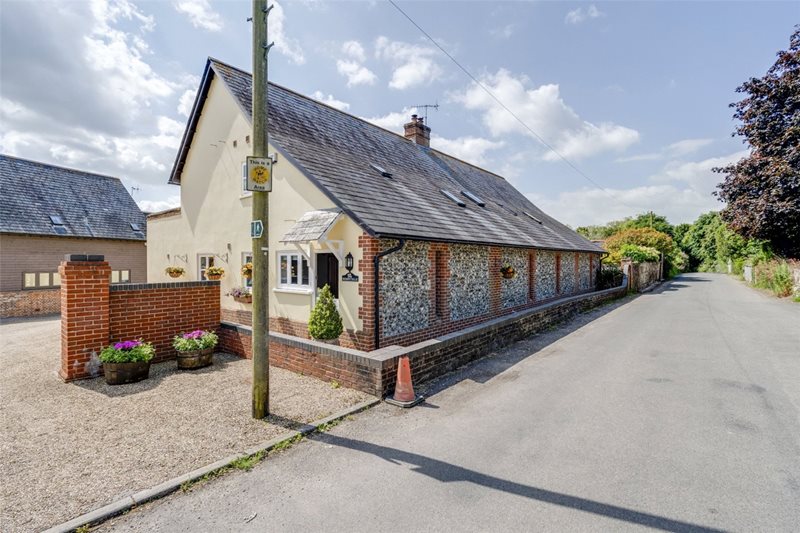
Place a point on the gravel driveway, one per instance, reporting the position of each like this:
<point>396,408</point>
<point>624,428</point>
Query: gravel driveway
<point>69,448</point>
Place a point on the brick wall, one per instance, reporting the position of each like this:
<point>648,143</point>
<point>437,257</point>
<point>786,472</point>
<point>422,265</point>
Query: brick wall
<point>374,372</point>
<point>30,303</point>
<point>95,314</point>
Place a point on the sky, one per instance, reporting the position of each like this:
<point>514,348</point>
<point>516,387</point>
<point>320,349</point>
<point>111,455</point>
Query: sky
<point>633,94</point>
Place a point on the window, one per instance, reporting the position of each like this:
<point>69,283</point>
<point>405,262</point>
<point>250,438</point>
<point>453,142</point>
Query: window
<point>453,197</point>
<point>293,270</point>
<point>204,261</point>
<point>245,192</point>
<point>247,257</point>
<point>38,280</point>
<point>124,276</point>
<point>474,198</point>
<point>115,276</point>
<point>382,171</point>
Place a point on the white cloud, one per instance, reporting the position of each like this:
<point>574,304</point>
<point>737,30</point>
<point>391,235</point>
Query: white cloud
<point>284,44</point>
<point>186,102</point>
<point>680,191</point>
<point>154,206</point>
<point>393,121</point>
<point>503,32</point>
<point>676,149</point>
<point>576,16</point>
<point>413,64</point>
<point>330,100</point>
<point>354,50</point>
<point>470,149</point>
<point>546,113</point>
<point>355,73</point>
<point>200,14</point>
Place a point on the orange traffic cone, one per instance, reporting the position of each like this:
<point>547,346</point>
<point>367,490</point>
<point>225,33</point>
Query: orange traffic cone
<point>404,390</point>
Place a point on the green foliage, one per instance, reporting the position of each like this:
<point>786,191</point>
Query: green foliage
<point>195,340</point>
<point>325,322</point>
<point>128,352</point>
<point>609,277</point>
<point>775,276</point>
<point>639,254</point>
<point>710,244</point>
<point>643,220</point>
<point>648,237</point>
<point>762,190</point>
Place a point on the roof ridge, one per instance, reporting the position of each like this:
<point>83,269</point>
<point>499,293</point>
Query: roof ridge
<point>62,167</point>
<point>351,115</point>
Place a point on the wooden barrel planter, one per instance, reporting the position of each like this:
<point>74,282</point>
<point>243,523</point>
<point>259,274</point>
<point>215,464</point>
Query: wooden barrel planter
<point>244,299</point>
<point>121,373</point>
<point>195,359</point>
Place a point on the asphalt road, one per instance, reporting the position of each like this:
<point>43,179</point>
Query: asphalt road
<point>675,410</point>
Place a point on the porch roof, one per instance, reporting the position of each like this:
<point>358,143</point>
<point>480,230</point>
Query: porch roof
<point>312,226</point>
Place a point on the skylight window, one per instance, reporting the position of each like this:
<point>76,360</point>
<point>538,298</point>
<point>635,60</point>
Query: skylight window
<point>135,227</point>
<point>57,220</point>
<point>383,172</point>
<point>532,217</point>
<point>508,209</point>
<point>453,197</point>
<point>474,198</point>
<point>61,230</point>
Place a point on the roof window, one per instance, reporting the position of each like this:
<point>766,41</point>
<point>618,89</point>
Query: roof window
<point>57,220</point>
<point>532,217</point>
<point>474,198</point>
<point>453,197</point>
<point>135,227</point>
<point>383,172</point>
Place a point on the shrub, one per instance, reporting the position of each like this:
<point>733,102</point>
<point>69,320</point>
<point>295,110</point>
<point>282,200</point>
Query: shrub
<point>609,277</point>
<point>128,352</point>
<point>175,270</point>
<point>325,322</point>
<point>775,276</point>
<point>195,340</point>
<point>639,254</point>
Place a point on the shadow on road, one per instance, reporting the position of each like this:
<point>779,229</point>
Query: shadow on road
<point>449,473</point>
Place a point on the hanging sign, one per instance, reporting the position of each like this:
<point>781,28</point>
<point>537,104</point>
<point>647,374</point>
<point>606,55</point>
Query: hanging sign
<point>259,174</point>
<point>349,277</point>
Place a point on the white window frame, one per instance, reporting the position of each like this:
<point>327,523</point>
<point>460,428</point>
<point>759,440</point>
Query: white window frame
<point>288,285</point>
<point>53,280</point>
<point>245,192</point>
<point>245,281</point>
<point>200,270</point>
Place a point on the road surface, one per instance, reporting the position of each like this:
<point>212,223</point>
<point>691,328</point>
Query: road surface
<point>675,410</point>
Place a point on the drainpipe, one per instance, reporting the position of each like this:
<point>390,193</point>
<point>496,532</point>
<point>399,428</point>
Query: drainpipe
<point>376,288</point>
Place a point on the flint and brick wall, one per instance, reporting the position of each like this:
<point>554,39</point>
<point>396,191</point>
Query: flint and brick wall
<point>641,276</point>
<point>30,303</point>
<point>95,314</point>
<point>374,372</point>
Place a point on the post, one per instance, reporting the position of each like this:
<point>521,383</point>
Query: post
<point>260,212</point>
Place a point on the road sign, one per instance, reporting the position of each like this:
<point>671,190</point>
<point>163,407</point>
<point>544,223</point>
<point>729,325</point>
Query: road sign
<point>259,174</point>
<point>256,229</point>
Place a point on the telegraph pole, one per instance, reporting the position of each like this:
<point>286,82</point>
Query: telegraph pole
<point>260,212</point>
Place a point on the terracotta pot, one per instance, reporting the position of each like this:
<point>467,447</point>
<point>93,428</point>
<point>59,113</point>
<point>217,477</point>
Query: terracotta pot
<point>244,299</point>
<point>119,373</point>
<point>175,274</point>
<point>195,359</point>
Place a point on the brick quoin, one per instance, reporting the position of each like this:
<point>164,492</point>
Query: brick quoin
<point>495,280</point>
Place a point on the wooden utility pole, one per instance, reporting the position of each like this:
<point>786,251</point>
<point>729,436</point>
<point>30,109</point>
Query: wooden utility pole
<point>260,212</point>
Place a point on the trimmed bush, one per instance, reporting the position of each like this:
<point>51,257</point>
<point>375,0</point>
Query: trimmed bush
<point>325,322</point>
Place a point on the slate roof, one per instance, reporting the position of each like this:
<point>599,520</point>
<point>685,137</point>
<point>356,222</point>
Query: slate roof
<point>89,205</point>
<point>312,226</point>
<point>335,150</point>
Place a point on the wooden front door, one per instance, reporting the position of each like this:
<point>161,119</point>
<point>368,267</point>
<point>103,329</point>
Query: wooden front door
<point>328,273</point>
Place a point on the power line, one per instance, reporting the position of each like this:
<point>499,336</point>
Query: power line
<point>499,102</point>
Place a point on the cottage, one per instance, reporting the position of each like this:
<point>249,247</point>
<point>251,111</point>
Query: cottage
<point>411,241</point>
<point>48,211</point>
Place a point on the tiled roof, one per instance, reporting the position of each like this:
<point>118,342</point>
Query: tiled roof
<point>336,151</point>
<point>312,226</point>
<point>89,205</point>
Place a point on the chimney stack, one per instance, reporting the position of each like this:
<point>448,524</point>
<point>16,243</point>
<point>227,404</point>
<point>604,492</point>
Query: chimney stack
<point>417,131</point>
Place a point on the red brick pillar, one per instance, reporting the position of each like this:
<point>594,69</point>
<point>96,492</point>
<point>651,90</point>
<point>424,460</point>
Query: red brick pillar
<point>84,314</point>
<point>495,280</point>
<point>370,246</point>
<point>558,273</point>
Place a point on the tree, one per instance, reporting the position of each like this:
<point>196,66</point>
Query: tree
<point>762,191</point>
<point>649,220</point>
<point>325,322</point>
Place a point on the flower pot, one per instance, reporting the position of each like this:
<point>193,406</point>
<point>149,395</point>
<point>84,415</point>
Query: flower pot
<point>195,359</point>
<point>174,274</point>
<point>509,275</point>
<point>244,299</point>
<point>119,373</point>
<point>214,277</point>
